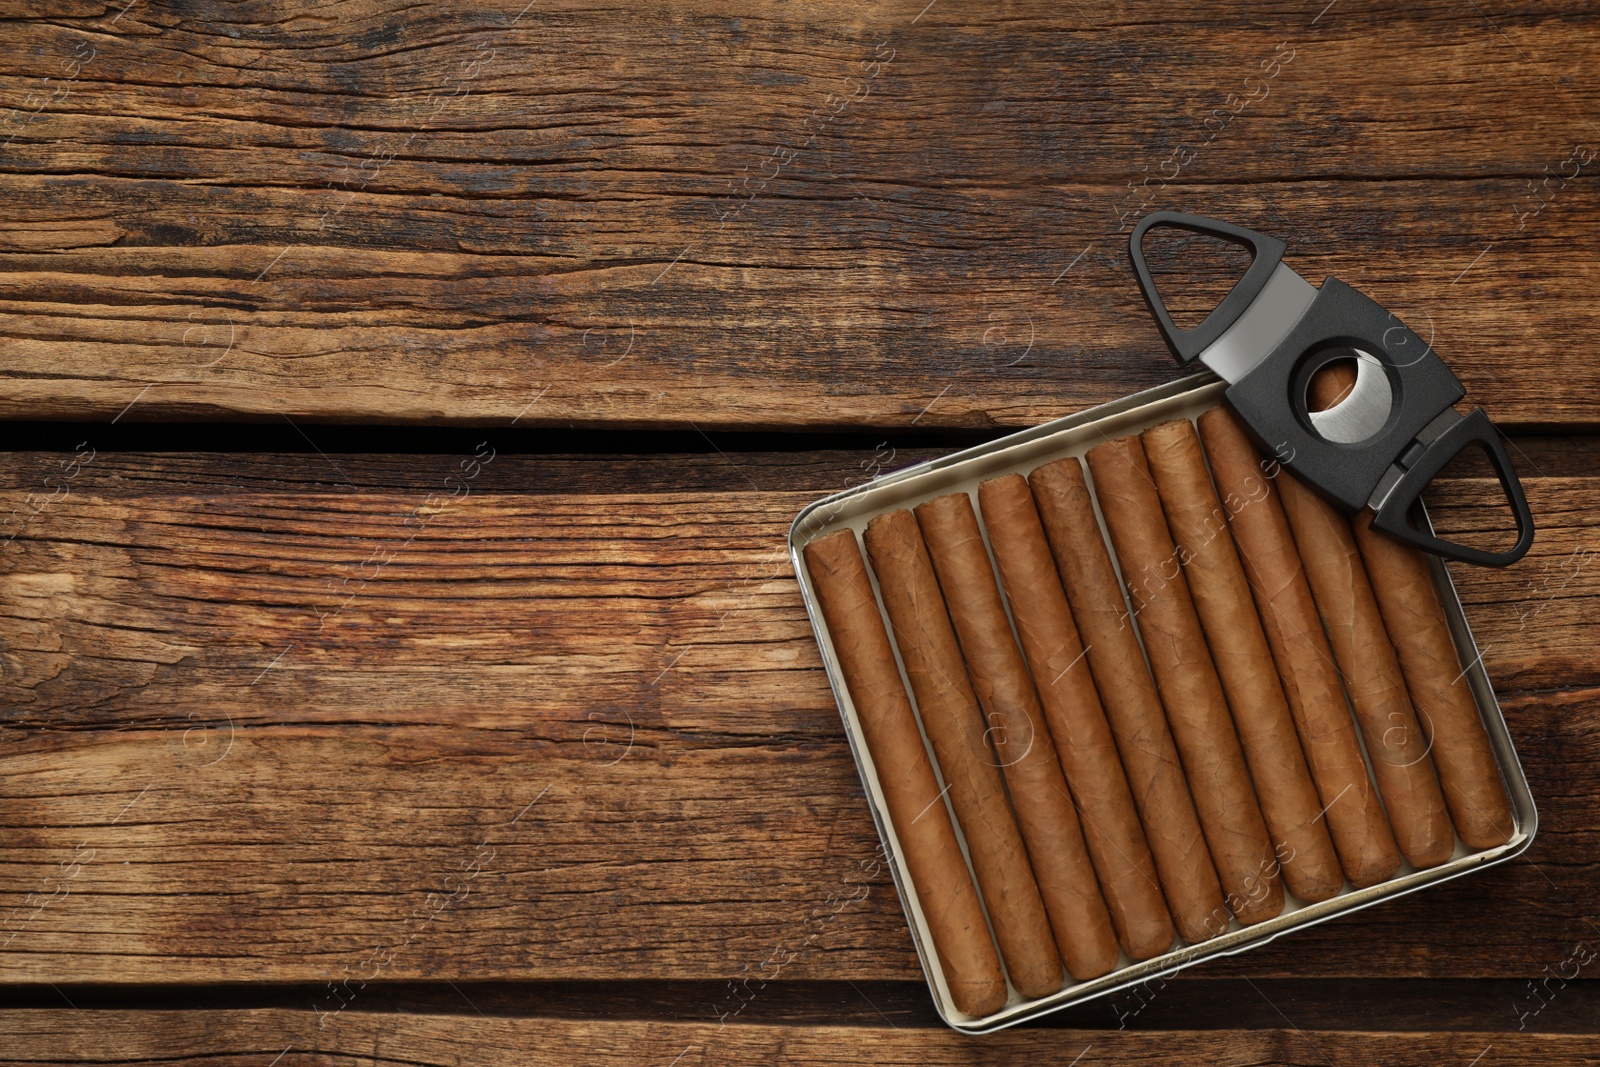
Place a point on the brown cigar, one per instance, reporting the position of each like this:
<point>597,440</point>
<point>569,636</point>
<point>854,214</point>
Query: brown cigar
<point>1360,832</point>
<point>1244,663</point>
<point>1021,739</point>
<point>1460,748</point>
<point>1197,711</point>
<point>953,722</point>
<point>1129,696</point>
<point>921,824</point>
<point>1396,745</point>
<point>1077,723</point>
<point>1372,678</point>
<point>1414,618</point>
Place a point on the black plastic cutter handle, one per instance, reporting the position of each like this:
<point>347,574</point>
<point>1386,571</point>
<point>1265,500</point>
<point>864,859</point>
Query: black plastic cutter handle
<point>1267,253</point>
<point>1393,516</point>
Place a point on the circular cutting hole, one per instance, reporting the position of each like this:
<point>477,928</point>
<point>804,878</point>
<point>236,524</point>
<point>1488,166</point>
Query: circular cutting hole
<point>1349,398</point>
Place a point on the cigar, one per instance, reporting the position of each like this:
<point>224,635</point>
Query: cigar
<point>1414,617</point>
<point>1355,817</point>
<point>1022,741</point>
<point>1077,723</point>
<point>1365,658</point>
<point>921,823</point>
<point>1197,711</point>
<point>1188,877</point>
<point>1396,746</point>
<point>955,725</point>
<point>1415,620</point>
<point>1239,650</point>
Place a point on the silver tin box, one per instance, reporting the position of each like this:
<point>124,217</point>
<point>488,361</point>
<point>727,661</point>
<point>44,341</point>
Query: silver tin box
<point>1020,453</point>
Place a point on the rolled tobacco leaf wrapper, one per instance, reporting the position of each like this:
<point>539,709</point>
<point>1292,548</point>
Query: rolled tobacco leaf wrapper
<point>1083,740</point>
<point>911,792</point>
<point>955,725</point>
<point>1128,695</point>
<point>1415,620</point>
<point>1187,681</point>
<point>1459,745</point>
<point>1361,649</point>
<point>1021,739</point>
<point>1354,814</point>
<point>1244,664</point>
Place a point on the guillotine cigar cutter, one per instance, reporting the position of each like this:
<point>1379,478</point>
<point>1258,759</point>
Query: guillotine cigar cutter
<point>1385,441</point>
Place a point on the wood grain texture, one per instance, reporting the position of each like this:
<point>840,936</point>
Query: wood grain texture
<point>202,780</point>
<point>693,214</point>
<point>1187,1002</point>
<point>250,1037</point>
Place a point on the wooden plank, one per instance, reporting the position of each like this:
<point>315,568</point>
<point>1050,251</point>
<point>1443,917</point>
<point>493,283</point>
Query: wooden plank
<point>403,564</point>
<point>253,725</point>
<point>253,1037</point>
<point>349,853</point>
<point>412,214</point>
<point>1183,1002</point>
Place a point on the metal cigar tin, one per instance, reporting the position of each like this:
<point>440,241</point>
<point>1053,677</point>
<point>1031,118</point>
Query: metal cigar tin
<point>1020,453</point>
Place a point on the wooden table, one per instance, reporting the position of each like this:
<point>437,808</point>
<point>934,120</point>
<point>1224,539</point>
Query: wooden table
<point>401,661</point>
